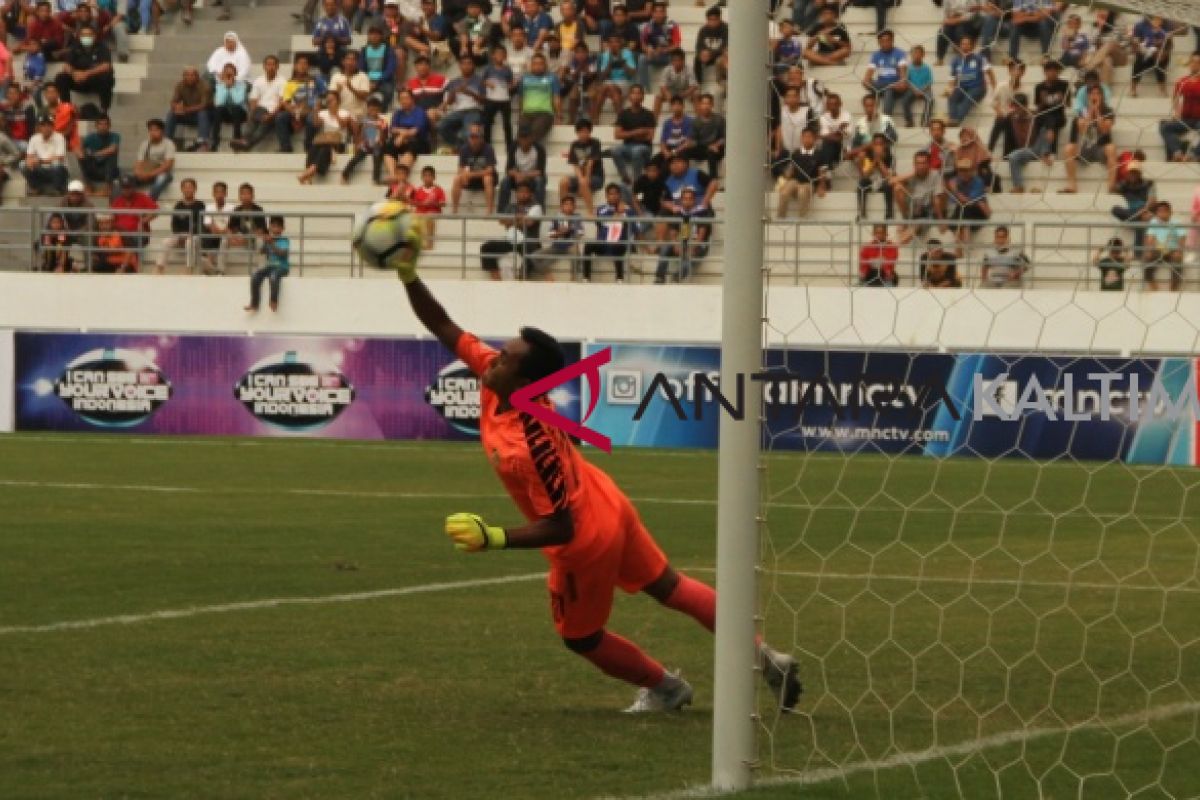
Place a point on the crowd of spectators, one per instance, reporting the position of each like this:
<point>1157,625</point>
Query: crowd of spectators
<point>436,76</point>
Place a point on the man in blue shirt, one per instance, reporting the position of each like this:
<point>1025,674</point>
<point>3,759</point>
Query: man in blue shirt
<point>970,76</point>
<point>1033,18</point>
<point>378,61</point>
<point>887,73</point>
<point>276,248</point>
<point>536,22</point>
<point>614,230</point>
<point>690,235</point>
<point>678,134</point>
<point>334,24</point>
<point>476,170</point>
<point>680,177</point>
<point>966,193</point>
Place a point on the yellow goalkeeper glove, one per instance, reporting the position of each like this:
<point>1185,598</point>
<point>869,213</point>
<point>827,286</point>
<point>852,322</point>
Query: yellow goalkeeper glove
<point>471,534</point>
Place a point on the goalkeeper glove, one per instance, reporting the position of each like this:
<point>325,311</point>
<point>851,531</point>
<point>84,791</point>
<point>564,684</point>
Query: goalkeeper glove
<point>471,534</point>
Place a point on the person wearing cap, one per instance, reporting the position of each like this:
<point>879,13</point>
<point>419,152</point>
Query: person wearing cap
<point>101,154</point>
<point>1033,19</point>
<point>966,194</point>
<point>46,160</point>
<point>334,24</point>
<point>887,72</point>
<point>134,224</point>
<point>88,69</point>
<point>712,46</point>
<point>231,51</point>
<point>155,160</point>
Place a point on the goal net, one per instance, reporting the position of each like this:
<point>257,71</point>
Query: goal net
<point>981,513</point>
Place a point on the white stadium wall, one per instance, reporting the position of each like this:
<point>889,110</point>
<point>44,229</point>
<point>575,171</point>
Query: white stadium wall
<point>902,319</point>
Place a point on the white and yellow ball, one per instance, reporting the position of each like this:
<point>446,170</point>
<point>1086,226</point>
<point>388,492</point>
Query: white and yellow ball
<point>387,235</point>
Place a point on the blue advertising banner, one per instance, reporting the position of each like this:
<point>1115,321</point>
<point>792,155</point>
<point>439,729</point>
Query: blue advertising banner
<point>1140,410</point>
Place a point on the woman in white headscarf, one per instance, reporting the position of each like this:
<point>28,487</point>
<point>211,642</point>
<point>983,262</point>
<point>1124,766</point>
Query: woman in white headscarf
<point>231,51</point>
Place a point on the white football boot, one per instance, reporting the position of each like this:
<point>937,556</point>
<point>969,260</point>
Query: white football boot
<point>672,695</point>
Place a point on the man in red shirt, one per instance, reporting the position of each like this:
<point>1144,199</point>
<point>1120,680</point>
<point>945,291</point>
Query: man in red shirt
<point>133,227</point>
<point>428,90</point>
<point>1185,107</point>
<point>579,518</point>
<point>877,260</point>
<point>44,33</point>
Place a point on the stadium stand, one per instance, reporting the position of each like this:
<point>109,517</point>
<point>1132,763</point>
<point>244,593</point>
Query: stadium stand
<point>1061,232</point>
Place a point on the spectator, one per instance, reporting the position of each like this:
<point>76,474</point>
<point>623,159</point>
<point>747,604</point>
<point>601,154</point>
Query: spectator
<point>1163,248</point>
<point>353,87</point>
<point>1004,266</point>
<point>1151,53</point>
<point>20,115</point>
<point>919,194</point>
<point>570,29</point>
<point>101,154</point>
<point>46,160</point>
<point>1075,43</point>
<point>522,222</point>
<point>540,101</point>
<point>430,36</point>
<point>940,149</point>
<point>681,175</point>
<point>799,174</point>
<point>614,234</point>
<point>628,29</point>
<point>828,42</point>
<point>939,268</point>
<point>635,131</point>
<point>1185,115</point>
<point>186,226</point>
<point>408,134</point>
<point>112,255</point>
<point>66,119</point>
<point>971,149</point>
<point>1033,18</point>
<point>463,106</point>
<point>229,104</point>
<point>871,123</point>
<point>649,190</point>
<point>215,226</point>
<point>1003,107</point>
<point>54,246</point>
<point>1050,110</point>
<point>537,23</point>
<point>498,85</point>
<point>688,239</point>
<point>995,16</point>
<point>920,87</point>
<point>473,33</point>
<point>577,80</point>
<point>788,51</point>
<point>887,73</point>
<point>526,164</point>
<point>877,259</point>
<point>836,129</point>
<point>677,135</point>
<point>264,103</point>
<point>88,69</point>
<point>333,124</point>
<point>1091,80</point>
<point>1109,48</point>
<point>970,77</point>
<point>617,65</point>
<point>658,38</point>
<point>333,25</point>
<point>561,238</point>
<point>400,187</point>
<point>708,134</point>
<point>876,168</point>
<point>793,118</point>
<point>328,58</point>
<point>428,90</point>
<point>960,19</point>
<point>133,212</point>
<point>677,81</point>
<point>429,199</point>
<point>1112,262</point>
<point>520,54</point>
<point>712,46</point>
<point>1091,141</point>
<point>1140,201</point>
<point>231,51</point>
<point>587,166</point>
<point>247,222</point>
<point>370,132</point>
<point>966,194</point>
<point>155,160</point>
<point>190,104</point>
<point>44,34</point>
<point>476,170</point>
<point>277,249</point>
<point>378,70</point>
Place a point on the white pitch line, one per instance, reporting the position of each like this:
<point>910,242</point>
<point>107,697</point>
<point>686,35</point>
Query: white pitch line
<point>918,757</point>
<point>273,602</point>
<point>866,577</point>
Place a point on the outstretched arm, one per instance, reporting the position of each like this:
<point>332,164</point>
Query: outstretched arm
<point>432,315</point>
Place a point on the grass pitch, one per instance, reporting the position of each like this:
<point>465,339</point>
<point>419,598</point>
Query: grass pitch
<point>932,605</point>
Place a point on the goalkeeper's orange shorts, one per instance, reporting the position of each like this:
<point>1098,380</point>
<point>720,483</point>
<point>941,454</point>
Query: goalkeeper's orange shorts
<point>581,589</point>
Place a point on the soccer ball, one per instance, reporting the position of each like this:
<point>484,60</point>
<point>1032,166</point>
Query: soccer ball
<point>387,234</point>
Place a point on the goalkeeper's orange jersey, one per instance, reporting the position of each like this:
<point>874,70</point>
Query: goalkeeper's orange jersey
<point>542,470</point>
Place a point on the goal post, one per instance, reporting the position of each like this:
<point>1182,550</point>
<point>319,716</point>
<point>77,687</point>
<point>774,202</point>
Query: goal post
<point>734,750</point>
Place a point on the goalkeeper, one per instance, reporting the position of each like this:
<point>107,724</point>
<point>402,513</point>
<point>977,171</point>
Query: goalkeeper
<point>584,524</point>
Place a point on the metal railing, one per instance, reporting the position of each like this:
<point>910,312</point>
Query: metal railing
<point>1061,255</point>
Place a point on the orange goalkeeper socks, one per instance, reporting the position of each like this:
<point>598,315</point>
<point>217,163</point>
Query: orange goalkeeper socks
<point>697,600</point>
<point>620,658</point>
